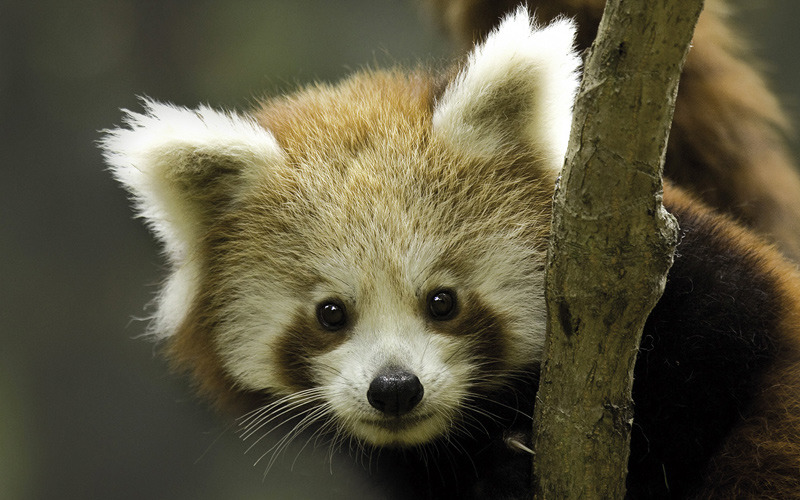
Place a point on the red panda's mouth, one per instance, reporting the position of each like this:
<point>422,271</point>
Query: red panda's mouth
<point>398,424</point>
<point>408,430</point>
<point>401,431</point>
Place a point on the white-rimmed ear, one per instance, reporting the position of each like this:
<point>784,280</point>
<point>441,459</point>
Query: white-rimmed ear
<point>178,163</point>
<point>517,88</point>
<point>183,166</point>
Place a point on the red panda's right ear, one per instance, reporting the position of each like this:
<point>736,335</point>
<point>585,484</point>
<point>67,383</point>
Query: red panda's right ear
<point>181,165</point>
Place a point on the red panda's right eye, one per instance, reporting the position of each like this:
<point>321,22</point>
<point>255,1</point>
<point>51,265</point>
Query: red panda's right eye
<point>331,315</point>
<point>442,304</point>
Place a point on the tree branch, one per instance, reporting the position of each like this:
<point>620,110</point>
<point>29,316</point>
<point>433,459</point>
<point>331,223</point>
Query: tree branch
<point>611,247</point>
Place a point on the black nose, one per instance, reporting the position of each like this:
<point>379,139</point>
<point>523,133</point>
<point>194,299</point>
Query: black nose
<point>395,392</point>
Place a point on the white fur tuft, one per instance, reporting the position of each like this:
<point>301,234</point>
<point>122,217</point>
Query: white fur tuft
<point>518,86</point>
<point>152,157</point>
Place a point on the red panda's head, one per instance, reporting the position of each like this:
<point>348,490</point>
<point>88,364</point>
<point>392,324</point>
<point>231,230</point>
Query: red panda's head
<point>369,254</point>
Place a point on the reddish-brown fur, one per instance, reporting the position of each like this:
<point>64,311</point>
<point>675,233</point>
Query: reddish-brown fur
<point>761,458</point>
<point>727,141</point>
<point>192,350</point>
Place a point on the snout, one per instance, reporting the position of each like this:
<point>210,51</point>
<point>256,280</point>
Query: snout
<point>395,391</point>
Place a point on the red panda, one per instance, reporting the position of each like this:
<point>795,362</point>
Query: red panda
<point>365,260</point>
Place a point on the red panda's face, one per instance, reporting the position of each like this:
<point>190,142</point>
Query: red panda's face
<point>369,254</point>
<point>385,306</point>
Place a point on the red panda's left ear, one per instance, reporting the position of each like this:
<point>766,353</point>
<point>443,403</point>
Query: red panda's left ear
<point>517,89</point>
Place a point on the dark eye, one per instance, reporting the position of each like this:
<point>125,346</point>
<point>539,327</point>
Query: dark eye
<point>331,315</point>
<point>442,304</point>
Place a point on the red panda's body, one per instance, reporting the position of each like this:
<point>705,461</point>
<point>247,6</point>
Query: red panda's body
<point>717,379</point>
<point>364,261</point>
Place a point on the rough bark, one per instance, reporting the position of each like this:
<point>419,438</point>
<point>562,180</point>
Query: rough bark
<point>611,246</point>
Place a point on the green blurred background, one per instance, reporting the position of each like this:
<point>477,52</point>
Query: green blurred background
<point>87,410</point>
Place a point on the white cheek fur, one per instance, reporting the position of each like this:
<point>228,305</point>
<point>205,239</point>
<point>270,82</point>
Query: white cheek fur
<point>248,336</point>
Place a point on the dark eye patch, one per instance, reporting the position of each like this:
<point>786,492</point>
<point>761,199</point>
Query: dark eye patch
<point>481,326</point>
<point>300,342</point>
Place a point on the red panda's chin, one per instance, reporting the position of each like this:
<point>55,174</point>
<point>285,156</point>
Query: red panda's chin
<point>411,430</point>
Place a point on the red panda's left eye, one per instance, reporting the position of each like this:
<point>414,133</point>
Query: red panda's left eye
<point>331,315</point>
